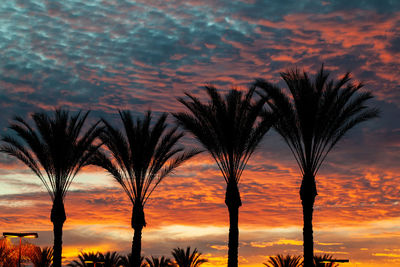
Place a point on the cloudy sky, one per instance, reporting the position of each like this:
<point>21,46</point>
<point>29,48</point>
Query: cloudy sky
<point>107,55</point>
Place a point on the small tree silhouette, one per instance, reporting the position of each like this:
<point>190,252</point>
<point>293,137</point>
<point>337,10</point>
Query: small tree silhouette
<point>159,262</point>
<point>127,261</point>
<point>110,259</point>
<point>284,261</point>
<point>186,259</point>
<point>86,259</point>
<point>319,261</point>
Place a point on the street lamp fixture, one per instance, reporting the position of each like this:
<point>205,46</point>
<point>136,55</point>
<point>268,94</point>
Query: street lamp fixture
<point>20,236</point>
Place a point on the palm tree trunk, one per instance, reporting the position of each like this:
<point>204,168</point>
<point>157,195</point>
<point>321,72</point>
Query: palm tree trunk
<point>308,192</point>
<point>57,247</point>
<point>233,202</point>
<point>58,218</point>
<point>137,246</point>
<point>137,222</point>
<point>233,243</point>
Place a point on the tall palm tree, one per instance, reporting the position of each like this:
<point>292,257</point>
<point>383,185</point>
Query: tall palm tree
<point>315,116</point>
<point>140,158</point>
<point>186,259</point>
<point>230,130</point>
<point>284,261</point>
<point>55,149</point>
<point>159,262</point>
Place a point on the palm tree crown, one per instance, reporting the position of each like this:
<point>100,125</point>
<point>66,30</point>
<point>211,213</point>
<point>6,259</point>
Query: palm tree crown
<point>323,261</point>
<point>186,258</point>
<point>144,155</point>
<point>86,259</point>
<point>318,115</point>
<point>55,147</point>
<point>284,261</point>
<point>159,262</point>
<point>128,261</point>
<point>228,128</point>
<point>110,259</point>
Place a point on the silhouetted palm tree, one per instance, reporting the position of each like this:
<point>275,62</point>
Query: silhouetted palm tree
<point>55,150</point>
<point>86,259</point>
<point>320,261</point>
<point>186,259</point>
<point>229,128</point>
<point>110,259</point>
<point>41,257</point>
<point>159,262</point>
<point>144,156</point>
<point>317,116</point>
<point>127,261</point>
<point>284,261</point>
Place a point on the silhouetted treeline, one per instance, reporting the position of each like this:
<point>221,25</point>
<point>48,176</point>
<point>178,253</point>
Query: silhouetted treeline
<point>312,116</point>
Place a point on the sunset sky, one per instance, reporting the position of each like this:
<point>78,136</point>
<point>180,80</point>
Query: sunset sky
<point>106,55</point>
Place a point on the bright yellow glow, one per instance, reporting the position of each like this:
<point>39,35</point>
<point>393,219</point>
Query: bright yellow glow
<point>72,252</point>
<point>30,236</point>
<point>387,255</point>
<point>329,244</point>
<point>11,236</point>
<point>24,235</point>
<point>279,242</point>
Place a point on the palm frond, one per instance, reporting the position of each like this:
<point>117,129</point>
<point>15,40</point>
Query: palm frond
<point>55,147</point>
<point>228,127</point>
<point>159,262</point>
<point>142,155</point>
<point>284,261</point>
<point>317,115</point>
<point>185,258</point>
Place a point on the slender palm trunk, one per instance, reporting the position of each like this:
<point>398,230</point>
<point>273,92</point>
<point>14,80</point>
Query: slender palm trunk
<point>308,192</point>
<point>233,236</point>
<point>58,218</point>
<point>137,222</point>
<point>233,202</point>
<point>137,246</point>
<point>57,247</point>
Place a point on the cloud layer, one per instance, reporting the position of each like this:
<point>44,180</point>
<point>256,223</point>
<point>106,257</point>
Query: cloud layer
<point>109,55</point>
